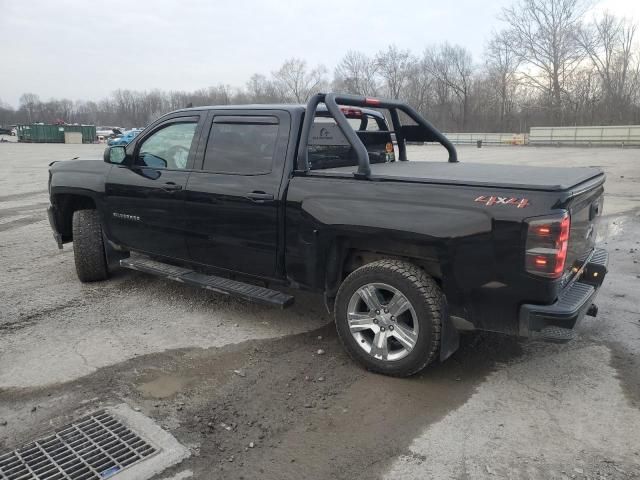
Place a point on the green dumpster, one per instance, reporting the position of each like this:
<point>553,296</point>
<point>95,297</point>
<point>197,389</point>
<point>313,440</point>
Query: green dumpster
<point>44,133</point>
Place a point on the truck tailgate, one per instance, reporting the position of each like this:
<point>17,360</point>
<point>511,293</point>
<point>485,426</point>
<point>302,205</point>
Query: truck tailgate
<point>585,208</point>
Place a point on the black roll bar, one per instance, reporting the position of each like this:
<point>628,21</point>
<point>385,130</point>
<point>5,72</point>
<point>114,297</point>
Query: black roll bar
<point>402,146</point>
<point>331,100</point>
<point>307,123</point>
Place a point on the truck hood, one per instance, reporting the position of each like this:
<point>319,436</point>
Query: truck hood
<point>78,165</point>
<point>482,174</point>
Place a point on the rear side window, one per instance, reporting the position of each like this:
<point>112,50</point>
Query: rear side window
<point>329,148</point>
<point>241,148</point>
<point>360,122</point>
<point>375,124</point>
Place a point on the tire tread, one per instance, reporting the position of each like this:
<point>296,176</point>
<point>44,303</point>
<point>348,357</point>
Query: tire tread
<point>88,246</point>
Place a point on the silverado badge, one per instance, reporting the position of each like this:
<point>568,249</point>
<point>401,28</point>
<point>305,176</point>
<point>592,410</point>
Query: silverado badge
<point>126,216</point>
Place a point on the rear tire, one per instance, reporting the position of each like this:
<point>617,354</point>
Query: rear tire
<point>88,246</point>
<point>397,345</point>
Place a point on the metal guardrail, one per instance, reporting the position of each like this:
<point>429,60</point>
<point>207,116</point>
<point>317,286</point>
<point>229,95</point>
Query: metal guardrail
<point>488,138</point>
<point>614,135</point>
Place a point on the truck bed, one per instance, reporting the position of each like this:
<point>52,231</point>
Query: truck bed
<point>478,174</point>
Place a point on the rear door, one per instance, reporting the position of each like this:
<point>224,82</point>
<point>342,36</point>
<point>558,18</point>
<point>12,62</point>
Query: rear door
<point>233,197</point>
<point>145,196</point>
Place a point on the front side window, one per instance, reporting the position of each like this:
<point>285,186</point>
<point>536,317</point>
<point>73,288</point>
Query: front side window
<point>168,147</point>
<point>241,148</point>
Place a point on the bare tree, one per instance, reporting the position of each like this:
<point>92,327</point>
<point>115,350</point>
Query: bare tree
<point>585,96</point>
<point>30,103</point>
<point>419,89</point>
<point>86,112</point>
<point>609,44</point>
<point>261,90</point>
<point>394,66</point>
<point>356,73</point>
<point>296,83</point>
<point>452,66</point>
<point>544,35</point>
<point>502,68</point>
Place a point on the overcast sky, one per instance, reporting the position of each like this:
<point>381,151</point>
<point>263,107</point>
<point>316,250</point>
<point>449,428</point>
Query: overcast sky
<point>81,49</point>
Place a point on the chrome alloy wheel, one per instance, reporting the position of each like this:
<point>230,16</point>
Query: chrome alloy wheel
<point>382,321</point>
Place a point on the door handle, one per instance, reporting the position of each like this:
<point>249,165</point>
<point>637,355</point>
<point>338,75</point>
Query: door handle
<point>171,187</point>
<point>259,197</point>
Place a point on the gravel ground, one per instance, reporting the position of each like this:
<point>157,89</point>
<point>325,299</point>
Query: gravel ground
<point>243,386</point>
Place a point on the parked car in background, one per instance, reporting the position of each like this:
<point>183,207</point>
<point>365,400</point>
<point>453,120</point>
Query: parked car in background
<point>123,139</point>
<point>5,131</point>
<point>108,132</point>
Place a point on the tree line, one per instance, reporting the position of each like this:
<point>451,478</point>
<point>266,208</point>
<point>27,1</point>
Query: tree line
<point>549,65</point>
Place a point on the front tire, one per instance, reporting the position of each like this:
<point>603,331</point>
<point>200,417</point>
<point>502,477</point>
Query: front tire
<point>388,315</point>
<point>88,246</point>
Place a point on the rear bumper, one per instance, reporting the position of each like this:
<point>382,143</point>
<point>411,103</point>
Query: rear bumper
<point>572,304</point>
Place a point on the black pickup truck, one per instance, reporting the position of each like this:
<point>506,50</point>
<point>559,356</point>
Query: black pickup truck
<point>242,200</point>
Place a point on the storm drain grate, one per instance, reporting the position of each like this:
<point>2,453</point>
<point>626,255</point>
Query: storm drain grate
<point>95,447</point>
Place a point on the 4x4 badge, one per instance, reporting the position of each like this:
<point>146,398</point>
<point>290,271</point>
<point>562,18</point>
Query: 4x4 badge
<point>495,200</point>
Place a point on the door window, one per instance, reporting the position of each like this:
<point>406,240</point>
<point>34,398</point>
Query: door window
<point>168,147</point>
<point>241,148</point>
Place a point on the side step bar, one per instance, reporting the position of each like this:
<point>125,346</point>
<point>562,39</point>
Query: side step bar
<point>242,290</point>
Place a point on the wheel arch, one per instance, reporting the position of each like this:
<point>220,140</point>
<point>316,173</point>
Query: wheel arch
<point>65,204</point>
<point>346,254</point>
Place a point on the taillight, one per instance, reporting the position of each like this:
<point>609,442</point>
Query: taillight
<point>547,243</point>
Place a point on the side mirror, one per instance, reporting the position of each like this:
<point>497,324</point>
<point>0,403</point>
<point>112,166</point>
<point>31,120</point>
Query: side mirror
<point>115,154</point>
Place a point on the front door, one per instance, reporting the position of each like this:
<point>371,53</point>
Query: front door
<point>233,199</point>
<point>145,196</point>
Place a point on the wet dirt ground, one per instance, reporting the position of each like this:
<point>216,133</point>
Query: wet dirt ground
<point>244,387</point>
